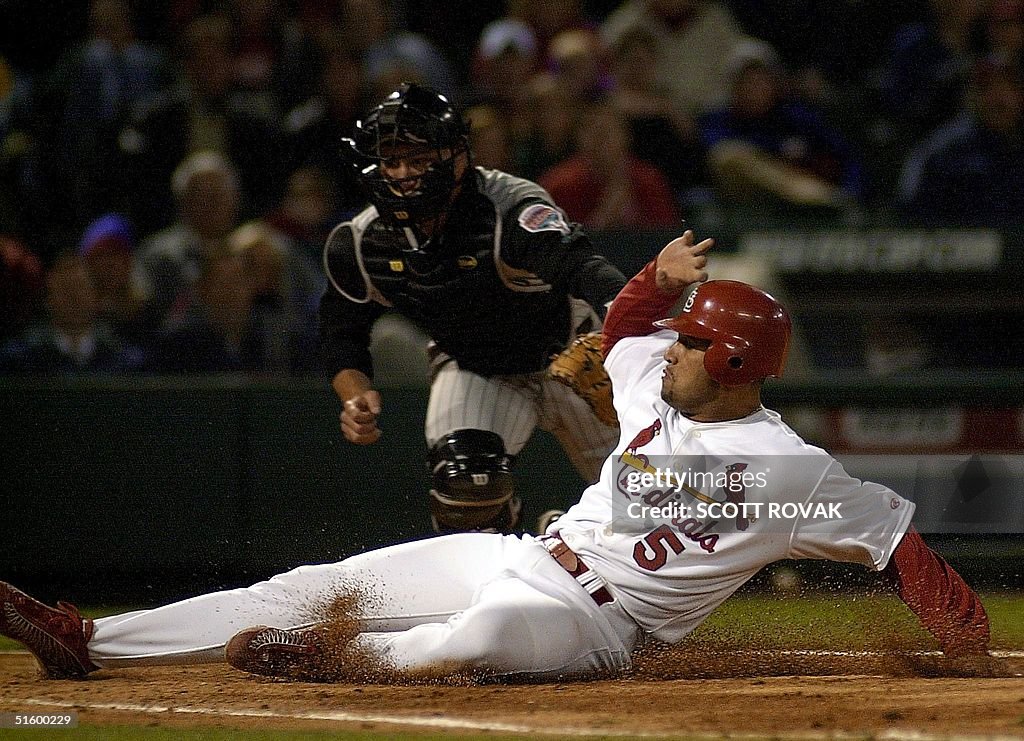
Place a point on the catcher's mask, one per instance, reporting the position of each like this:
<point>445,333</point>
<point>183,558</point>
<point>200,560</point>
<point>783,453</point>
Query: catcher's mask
<point>748,329</point>
<point>414,121</point>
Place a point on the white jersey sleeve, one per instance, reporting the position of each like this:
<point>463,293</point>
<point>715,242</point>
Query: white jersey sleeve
<point>873,520</point>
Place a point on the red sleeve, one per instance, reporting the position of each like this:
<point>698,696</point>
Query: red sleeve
<point>638,304</point>
<point>948,608</point>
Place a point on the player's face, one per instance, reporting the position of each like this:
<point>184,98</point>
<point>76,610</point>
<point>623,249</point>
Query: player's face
<point>685,384</point>
<point>405,164</point>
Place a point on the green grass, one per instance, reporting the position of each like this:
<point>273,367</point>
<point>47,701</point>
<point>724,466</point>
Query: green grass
<point>821,621</point>
<point>846,622</point>
<point>1006,613</point>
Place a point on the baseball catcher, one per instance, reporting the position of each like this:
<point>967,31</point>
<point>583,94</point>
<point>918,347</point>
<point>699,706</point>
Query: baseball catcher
<point>491,270</point>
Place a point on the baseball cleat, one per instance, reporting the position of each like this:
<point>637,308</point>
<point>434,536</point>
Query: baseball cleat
<point>274,652</point>
<point>57,637</point>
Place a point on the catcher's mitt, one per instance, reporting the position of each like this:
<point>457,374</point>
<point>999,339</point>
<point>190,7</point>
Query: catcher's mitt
<point>581,367</point>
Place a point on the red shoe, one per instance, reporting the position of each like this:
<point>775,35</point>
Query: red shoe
<point>57,637</point>
<point>274,652</point>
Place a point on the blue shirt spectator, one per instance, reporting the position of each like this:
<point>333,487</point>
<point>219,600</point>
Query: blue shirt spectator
<point>762,143</point>
<point>71,341</point>
<point>971,171</point>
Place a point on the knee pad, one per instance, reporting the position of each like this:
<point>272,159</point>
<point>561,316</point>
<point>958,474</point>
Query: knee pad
<point>473,489</point>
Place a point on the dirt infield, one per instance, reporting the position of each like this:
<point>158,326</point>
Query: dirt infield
<point>729,695</point>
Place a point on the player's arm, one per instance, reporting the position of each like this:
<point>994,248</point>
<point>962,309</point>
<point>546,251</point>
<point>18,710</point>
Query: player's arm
<point>346,317</point>
<point>538,241</point>
<point>651,293</point>
<point>946,606</point>
<point>874,529</point>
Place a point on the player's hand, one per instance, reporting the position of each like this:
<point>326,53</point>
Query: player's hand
<point>682,263</point>
<point>359,418</point>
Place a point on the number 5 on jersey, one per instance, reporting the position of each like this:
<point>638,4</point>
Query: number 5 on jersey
<point>651,553</point>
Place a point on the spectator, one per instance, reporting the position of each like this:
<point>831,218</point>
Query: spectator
<point>924,78</point>
<point>604,186</point>
<point>661,132</point>
<point>489,138</point>
<point>393,54</point>
<point>307,213</point>
<point>971,171</point>
<point>549,18</point>
<point>273,56</point>
<point>506,55</point>
<point>553,129</point>
<point>72,340</point>
<point>206,190</point>
<point>838,40</point>
<point>315,128</point>
<point>284,286</point>
<point>24,194</point>
<point>577,61</point>
<point>1003,32</point>
<point>216,333</point>
<point>21,282</point>
<point>85,102</point>
<point>205,111</point>
<point>108,250</point>
<point>695,39</point>
<point>765,148</point>
<point>506,60</point>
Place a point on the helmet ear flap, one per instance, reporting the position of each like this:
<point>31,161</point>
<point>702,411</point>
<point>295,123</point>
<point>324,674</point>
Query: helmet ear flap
<point>726,362</point>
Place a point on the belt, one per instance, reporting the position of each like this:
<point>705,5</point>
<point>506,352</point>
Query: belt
<point>568,560</point>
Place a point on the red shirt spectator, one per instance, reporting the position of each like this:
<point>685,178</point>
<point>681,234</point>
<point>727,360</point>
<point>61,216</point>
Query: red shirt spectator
<point>603,185</point>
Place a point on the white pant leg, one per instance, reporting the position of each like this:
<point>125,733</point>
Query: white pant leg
<point>462,400</point>
<point>532,619</point>
<point>586,441</point>
<point>401,586</point>
<point>466,602</point>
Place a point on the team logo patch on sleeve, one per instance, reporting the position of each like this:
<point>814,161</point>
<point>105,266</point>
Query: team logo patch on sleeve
<point>540,217</point>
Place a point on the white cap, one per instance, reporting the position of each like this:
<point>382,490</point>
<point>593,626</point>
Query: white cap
<point>500,35</point>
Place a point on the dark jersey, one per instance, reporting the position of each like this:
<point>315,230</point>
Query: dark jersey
<point>495,289</point>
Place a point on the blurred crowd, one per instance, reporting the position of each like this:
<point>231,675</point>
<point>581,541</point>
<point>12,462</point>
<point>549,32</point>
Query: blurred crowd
<point>169,171</point>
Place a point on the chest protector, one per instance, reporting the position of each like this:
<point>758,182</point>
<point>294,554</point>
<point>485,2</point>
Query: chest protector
<point>477,309</point>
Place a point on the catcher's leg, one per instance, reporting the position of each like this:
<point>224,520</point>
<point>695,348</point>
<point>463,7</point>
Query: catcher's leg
<point>392,588</point>
<point>472,484</point>
<point>474,428</point>
<point>584,438</point>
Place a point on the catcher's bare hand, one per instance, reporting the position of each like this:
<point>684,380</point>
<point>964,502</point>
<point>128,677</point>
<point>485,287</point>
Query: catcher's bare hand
<point>682,262</point>
<point>359,418</point>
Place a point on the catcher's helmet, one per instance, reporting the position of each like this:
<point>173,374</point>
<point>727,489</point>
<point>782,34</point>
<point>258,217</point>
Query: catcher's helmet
<point>748,330</point>
<point>423,119</point>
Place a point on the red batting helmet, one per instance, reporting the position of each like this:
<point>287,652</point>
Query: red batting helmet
<point>748,330</point>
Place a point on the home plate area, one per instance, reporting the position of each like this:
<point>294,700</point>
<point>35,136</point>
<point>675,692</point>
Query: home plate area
<point>694,692</point>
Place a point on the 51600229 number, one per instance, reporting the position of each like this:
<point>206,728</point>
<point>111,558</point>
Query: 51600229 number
<point>39,720</point>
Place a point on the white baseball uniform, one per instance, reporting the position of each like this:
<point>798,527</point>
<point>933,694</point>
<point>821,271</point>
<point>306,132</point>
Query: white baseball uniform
<point>503,606</point>
<point>670,592</point>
